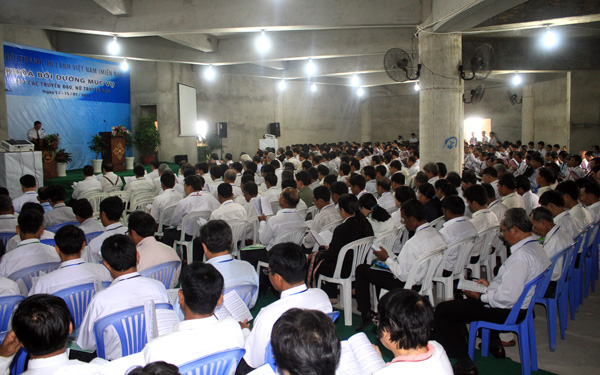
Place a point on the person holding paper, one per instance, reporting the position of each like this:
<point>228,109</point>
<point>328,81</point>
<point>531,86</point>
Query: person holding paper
<point>327,214</point>
<point>201,333</point>
<point>527,261</point>
<point>404,323</point>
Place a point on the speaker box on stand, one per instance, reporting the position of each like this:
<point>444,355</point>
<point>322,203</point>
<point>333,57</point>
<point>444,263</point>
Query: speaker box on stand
<point>222,129</point>
<point>274,129</point>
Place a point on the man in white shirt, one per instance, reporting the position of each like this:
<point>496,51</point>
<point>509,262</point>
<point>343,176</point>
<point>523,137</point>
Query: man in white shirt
<point>545,178</point>
<point>482,218</point>
<point>228,210</point>
<point>357,184</point>
<point>425,240</point>
<point>42,324</point>
<point>484,138</point>
<point>432,171</point>
<point>413,166</point>
<point>15,240</point>
<point>30,251</point>
<point>84,213</point>
<point>287,271</point>
<point>327,214</point>
<point>555,202</point>
<point>129,289</point>
<point>8,221</point>
<point>141,183</point>
<point>154,171</point>
<point>526,262</point>
<point>151,252</point>
<point>413,138</point>
<point>369,173</point>
<point>490,176</point>
<point>386,198</point>
<point>570,193</point>
<point>530,199</point>
<point>28,187</point>
<point>167,198</point>
<point>89,183</point>
<point>36,133</point>
<point>272,192</point>
<point>590,195</point>
<point>286,218</point>
<point>507,189</point>
<point>70,242</point>
<point>456,228</point>
<point>201,291</point>
<point>8,287</point>
<point>60,212</point>
<point>494,205</point>
<point>214,179</point>
<point>555,238</point>
<point>473,140</point>
<point>229,177</point>
<point>109,180</point>
<point>111,209</point>
<point>216,244</point>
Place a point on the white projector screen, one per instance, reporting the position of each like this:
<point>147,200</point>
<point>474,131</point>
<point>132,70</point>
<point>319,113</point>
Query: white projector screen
<point>187,111</point>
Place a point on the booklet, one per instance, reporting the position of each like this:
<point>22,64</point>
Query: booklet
<point>233,306</point>
<point>262,206</point>
<point>472,286</point>
<point>323,238</point>
<point>159,322</point>
<point>359,357</point>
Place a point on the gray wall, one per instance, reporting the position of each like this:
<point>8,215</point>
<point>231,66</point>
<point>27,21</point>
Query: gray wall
<point>394,111</point>
<point>552,108</point>
<point>585,110</point>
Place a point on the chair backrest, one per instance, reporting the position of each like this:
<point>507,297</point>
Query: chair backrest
<point>77,299</point>
<point>312,210</point>
<point>392,209</point>
<point>333,315</point>
<point>192,218</point>
<point>7,305</point>
<point>302,213</point>
<point>130,325</point>
<point>56,227</point>
<point>165,218</point>
<point>464,248</point>
<point>388,238</point>
<point>17,366</point>
<point>246,292</point>
<point>141,204</point>
<point>5,236</point>
<point>295,235</point>
<point>275,206</point>
<point>163,272</point>
<point>48,241</point>
<point>220,363</point>
<point>27,274</point>
<point>125,195</point>
<point>484,242</point>
<point>238,231</point>
<point>91,236</point>
<point>431,263</point>
<point>540,284</point>
<point>360,249</point>
<point>331,226</point>
<point>567,256</point>
<point>95,197</point>
<point>438,223</point>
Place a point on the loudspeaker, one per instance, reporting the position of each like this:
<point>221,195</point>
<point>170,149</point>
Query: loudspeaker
<point>222,129</point>
<point>274,129</point>
<point>180,158</point>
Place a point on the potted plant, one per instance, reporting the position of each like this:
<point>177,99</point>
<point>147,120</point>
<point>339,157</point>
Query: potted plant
<point>147,138</point>
<point>96,145</point>
<point>122,131</point>
<point>62,157</point>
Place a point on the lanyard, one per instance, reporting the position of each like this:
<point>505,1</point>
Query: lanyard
<point>28,243</point>
<point>71,265</point>
<point>120,226</point>
<point>129,278</point>
<point>225,261</point>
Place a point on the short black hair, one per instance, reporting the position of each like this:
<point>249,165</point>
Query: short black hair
<point>523,182</point>
<point>288,261</point>
<point>508,180</point>
<point>398,178</point>
<point>345,167</point>
<point>413,208</point>
<point>217,236</point>
<point>454,179</point>
<point>358,180</point>
<point>155,368</point>
<point>69,239</point>
<point>454,204</point>
<point>305,342</point>
<point>167,178</point>
<point>323,170</point>
<point>592,188</point>
<point>119,252</point>
<point>195,181</point>
<point>542,214</point>
<point>421,177</point>
<point>251,188</point>
<point>139,171</point>
<point>321,192</point>
<point>490,171</point>
<point>427,190</point>
<point>476,193</point>
<point>142,223</point>
<point>225,190</point>
<point>489,190</point>
<point>329,179</point>
<point>404,193</point>
<point>407,317</point>
<point>56,193</point>
<point>30,221</point>
<point>548,175</point>
<point>108,166</point>
<point>271,178</point>
<point>28,181</point>
<point>288,182</point>
<point>568,188</point>
<point>112,208</point>
<point>338,188</point>
<point>215,171</point>
<point>369,171</point>
<point>82,208</point>
<point>442,170</point>
<point>383,183</point>
<point>5,203</point>
<point>202,286</point>
<point>303,177</point>
<point>88,170</point>
<point>552,196</point>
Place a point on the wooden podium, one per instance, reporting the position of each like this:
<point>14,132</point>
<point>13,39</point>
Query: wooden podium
<point>115,150</point>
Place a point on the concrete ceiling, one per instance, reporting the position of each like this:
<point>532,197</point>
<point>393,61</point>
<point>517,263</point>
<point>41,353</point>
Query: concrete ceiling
<point>343,37</point>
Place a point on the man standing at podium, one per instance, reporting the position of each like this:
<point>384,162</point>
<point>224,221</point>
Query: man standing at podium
<point>36,132</point>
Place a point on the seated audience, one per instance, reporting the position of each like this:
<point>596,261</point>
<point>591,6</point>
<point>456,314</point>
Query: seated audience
<point>327,214</point>
<point>141,183</point>
<point>456,228</point>
<point>431,204</point>
<point>111,209</point>
<point>16,239</point>
<point>555,202</point>
<point>109,180</point>
<point>84,213</point>
<point>28,187</point>
<point>524,190</point>
<point>570,193</point>
<point>8,221</point>
<point>88,184</point>
<point>167,198</point>
<point>60,212</point>
<point>590,197</point>
<point>380,220</point>
<point>507,189</point>
<point>386,198</point>
<point>494,204</point>
<point>228,210</point>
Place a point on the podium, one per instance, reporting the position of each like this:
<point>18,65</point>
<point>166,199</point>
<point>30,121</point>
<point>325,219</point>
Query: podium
<point>114,150</point>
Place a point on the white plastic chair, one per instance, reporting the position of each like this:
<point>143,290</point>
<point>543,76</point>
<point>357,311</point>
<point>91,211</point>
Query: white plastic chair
<point>192,218</point>
<point>94,197</point>
<point>238,230</point>
<point>464,248</point>
<point>295,235</point>
<point>275,206</point>
<point>312,210</point>
<point>140,200</point>
<point>361,250</point>
<point>387,239</point>
<point>164,219</point>
<point>392,209</point>
<point>438,223</point>
<point>484,244</point>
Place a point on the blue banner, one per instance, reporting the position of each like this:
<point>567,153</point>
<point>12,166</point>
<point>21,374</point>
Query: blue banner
<point>74,96</point>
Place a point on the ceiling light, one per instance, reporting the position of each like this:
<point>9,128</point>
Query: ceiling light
<point>313,87</point>
<point>549,39</point>
<point>113,46</point>
<point>311,68</point>
<point>263,44</point>
<point>360,92</point>
<point>282,85</point>
<point>209,73</point>
<point>124,65</point>
<point>355,81</point>
<point>417,87</point>
<point>517,79</point>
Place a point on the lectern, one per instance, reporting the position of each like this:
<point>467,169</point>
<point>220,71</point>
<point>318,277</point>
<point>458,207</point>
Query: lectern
<point>114,150</point>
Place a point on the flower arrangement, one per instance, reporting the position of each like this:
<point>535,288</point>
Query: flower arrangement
<point>62,156</point>
<point>121,131</point>
<point>51,142</point>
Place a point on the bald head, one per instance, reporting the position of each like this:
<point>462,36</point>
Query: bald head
<point>289,198</point>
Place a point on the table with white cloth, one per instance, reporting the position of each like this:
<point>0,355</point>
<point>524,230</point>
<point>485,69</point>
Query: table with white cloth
<point>264,143</point>
<point>14,165</point>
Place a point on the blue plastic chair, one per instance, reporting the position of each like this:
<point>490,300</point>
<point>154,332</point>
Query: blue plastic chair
<point>572,281</point>
<point>270,358</point>
<point>5,236</point>
<point>560,299</point>
<point>17,366</point>
<point>7,305</point>
<point>591,268</point>
<point>48,241</point>
<point>576,284</point>
<point>130,325</point>
<point>333,315</point>
<point>56,227</point>
<point>524,329</point>
<point>26,274</point>
<point>246,292</point>
<point>163,272</point>
<point>77,299</point>
<point>220,363</point>
<point>91,236</point>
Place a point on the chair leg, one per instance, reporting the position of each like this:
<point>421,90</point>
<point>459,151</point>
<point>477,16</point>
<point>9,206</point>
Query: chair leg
<point>571,296</point>
<point>551,308</point>
<point>563,313</point>
<point>472,339</point>
<point>485,342</point>
<point>346,294</point>
<point>524,350</point>
<point>532,344</point>
<point>439,290</point>
<point>448,290</point>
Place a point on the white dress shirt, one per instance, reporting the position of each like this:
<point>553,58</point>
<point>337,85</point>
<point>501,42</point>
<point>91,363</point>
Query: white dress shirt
<point>527,260</point>
<point>196,201</point>
<point>326,216</point>
<point>371,187</point>
<point>594,210</point>
<point>167,198</point>
<point>28,253</point>
<point>236,272</point>
<point>28,196</point>
<point>58,364</point>
<point>211,185</point>
<point>90,183</point>
<point>498,208</point>
<point>297,297</point>
<point>127,291</point>
<point>110,180</point>
<point>570,224</point>
<point>229,210</point>
<point>531,201</point>
<point>513,200</point>
<point>582,215</point>
<point>453,231</point>
<point>152,253</point>
<point>438,364</point>
<point>61,213</point>
<point>8,287</point>
<point>91,225</point>
<point>35,134</point>
<point>8,223</point>
<point>193,339</point>
<point>286,218</point>
<point>152,175</point>
<point>92,253</point>
<point>432,180</point>
<point>386,200</point>
<point>414,169</point>
<point>495,186</point>
<point>140,184</point>
<point>542,189</point>
<point>16,240</point>
<point>556,240</point>
<point>425,240</point>
<point>70,273</point>
<point>271,194</point>
<point>235,189</point>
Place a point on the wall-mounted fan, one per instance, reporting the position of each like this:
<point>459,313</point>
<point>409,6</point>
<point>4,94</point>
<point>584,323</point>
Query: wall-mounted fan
<point>399,66</point>
<point>481,64</point>
<point>476,95</point>
<point>513,98</point>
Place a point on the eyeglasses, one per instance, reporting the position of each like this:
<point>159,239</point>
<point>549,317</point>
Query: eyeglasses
<point>504,230</point>
<point>267,271</point>
<point>376,319</point>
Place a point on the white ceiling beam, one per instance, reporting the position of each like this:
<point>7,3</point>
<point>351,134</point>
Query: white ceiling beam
<point>116,7</point>
<point>201,42</point>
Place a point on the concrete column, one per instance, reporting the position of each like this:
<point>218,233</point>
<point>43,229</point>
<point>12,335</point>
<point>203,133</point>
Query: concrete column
<point>441,109</point>
<point>366,133</point>
<point>3,108</point>
<point>528,115</point>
